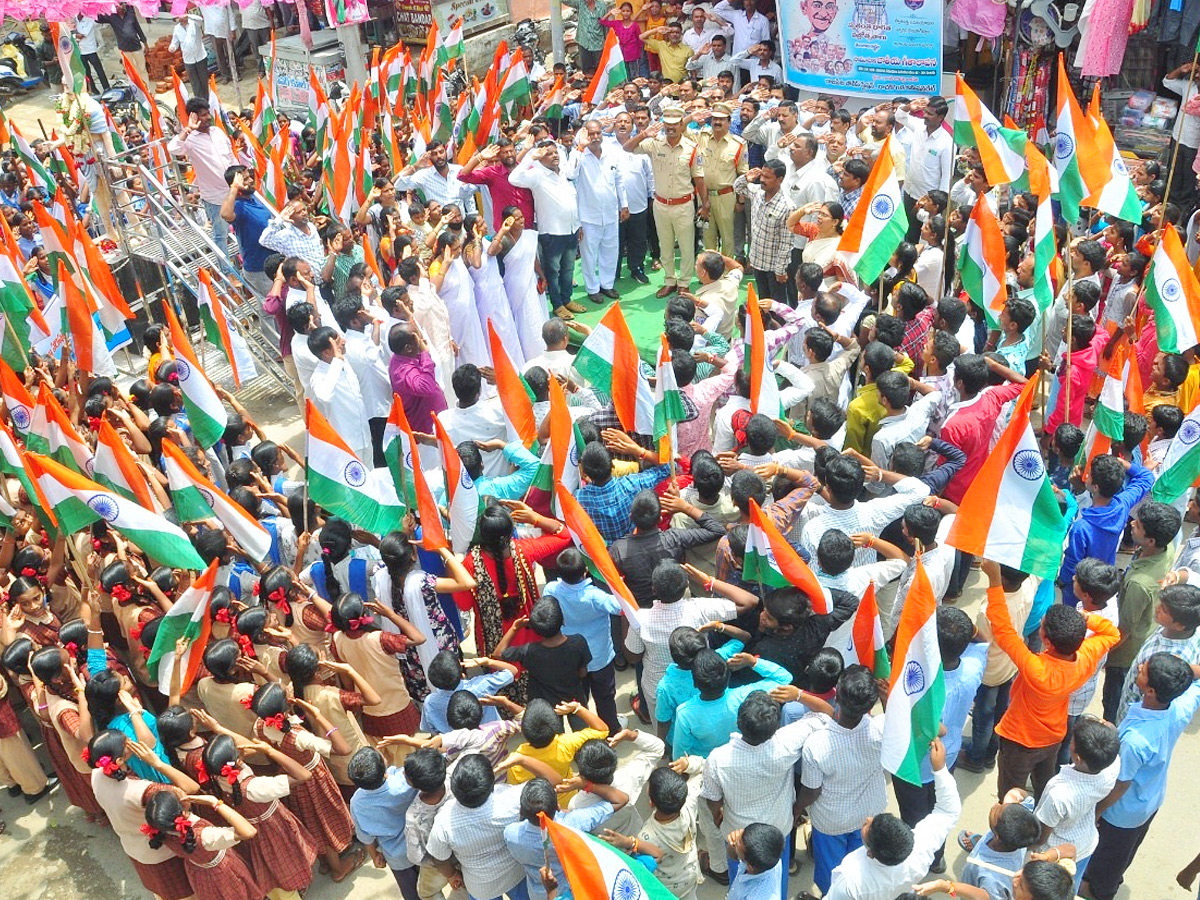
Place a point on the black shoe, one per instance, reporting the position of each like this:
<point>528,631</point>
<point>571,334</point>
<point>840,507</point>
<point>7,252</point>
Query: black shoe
<point>939,866</point>
<point>51,784</point>
<point>719,877</point>
<point>595,298</point>
<point>14,790</point>
<point>965,762</point>
<point>639,277</point>
<point>610,293</point>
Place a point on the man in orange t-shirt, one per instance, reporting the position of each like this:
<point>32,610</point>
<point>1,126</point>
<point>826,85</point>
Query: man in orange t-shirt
<point>1036,720</point>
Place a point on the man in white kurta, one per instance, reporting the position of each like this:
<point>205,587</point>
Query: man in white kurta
<point>600,193</point>
<point>336,393</point>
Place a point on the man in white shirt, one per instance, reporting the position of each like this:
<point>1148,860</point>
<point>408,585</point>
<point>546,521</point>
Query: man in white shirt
<point>902,421</point>
<point>88,37</point>
<point>595,171</point>
<point>436,178</point>
<point>770,125</point>
<point>472,419</point>
<point>759,60</point>
<point>366,356</point>
<point>704,29</point>
<point>720,277</point>
<point>219,25</point>
<point>894,856</point>
<point>807,181</point>
<point>557,360</point>
<point>557,211</point>
<point>930,164</point>
<point>335,391</point>
<point>748,24</point>
<point>638,176</point>
<point>711,59</point>
<point>188,37</point>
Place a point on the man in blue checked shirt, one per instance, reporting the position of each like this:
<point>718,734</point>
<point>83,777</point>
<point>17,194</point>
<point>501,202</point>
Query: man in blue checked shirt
<point>608,499</point>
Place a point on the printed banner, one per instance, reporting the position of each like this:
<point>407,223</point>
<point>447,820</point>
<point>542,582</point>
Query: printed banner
<point>873,47</point>
<point>413,19</point>
<point>477,15</point>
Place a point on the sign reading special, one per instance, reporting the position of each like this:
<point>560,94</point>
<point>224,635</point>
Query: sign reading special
<point>872,47</point>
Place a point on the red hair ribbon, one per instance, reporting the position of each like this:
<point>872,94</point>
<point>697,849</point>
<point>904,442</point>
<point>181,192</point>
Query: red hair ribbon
<point>181,826</point>
<point>29,572</point>
<point>222,615</point>
<point>149,830</point>
<point>145,652</point>
<point>108,765</point>
<point>257,588</point>
<point>279,596</point>
<point>173,378</point>
<point>361,621</point>
<point>276,721</point>
<point>96,545</point>
<point>246,702</point>
<point>246,644</point>
<point>120,593</point>
<point>86,756</point>
<point>71,647</point>
<point>325,551</point>
<point>329,629</point>
<point>230,773</point>
<point>94,422</point>
<point>44,539</point>
<point>201,773</point>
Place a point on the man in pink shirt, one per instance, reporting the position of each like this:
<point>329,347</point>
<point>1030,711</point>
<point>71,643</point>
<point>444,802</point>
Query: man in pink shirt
<point>1077,368</point>
<point>490,167</point>
<point>210,153</point>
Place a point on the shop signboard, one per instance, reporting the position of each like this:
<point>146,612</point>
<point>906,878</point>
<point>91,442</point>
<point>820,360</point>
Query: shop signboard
<point>477,15</point>
<point>414,18</point>
<point>863,47</point>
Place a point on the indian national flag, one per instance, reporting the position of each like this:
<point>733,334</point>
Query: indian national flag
<point>17,399</point>
<point>69,59</point>
<point>75,502</point>
<point>265,120</point>
<point>26,326</point>
<point>609,359</point>
<point>879,222</point>
<point>764,389</point>
<point>462,497</point>
<point>1001,149</point>
<point>1042,183</point>
<point>116,467</point>
<point>274,184</point>
<point>187,619</point>
<point>560,457</point>
<point>918,689</point>
<point>87,340</point>
<point>1118,197</point>
<point>552,104</point>
<point>982,267</point>
<point>668,404</point>
<point>218,333</point>
<point>1181,467</point>
<point>206,414</point>
<point>62,442</point>
<point>1014,516</point>
<point>451,46</point>
<point>404,463</point>
<point>1082,171</point>
<point>596,870</point>
<point>196,499</point>
<point>772,561</point>
<point>587,538</point>
<point>1174,295</point>
<point>338,481</point>
<point>514,89</point>
<point>515,397</point>
<point>610,73</point>
<point>869,645</point>
<point>1108,419</point>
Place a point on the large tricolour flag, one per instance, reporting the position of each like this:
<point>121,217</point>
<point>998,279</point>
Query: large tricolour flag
<point>596,870</point>
<point>404,464</point>
<point>62,441</point>
<point>609,359</point>
<point>338,480</point>
<point>515,397</point>
<point>1174,294</point>
<point>560,457</point>
<point>116,467</point>
<point>188,618</point>
<point>462,497</point>
<point>587,538</point>
<point>75,502</point>
<point>206,413</point>
<point>772,561</point>
<point>1118,197</point>
<point>917,693</point>
<point>1181,466</point>
<point>610,73</point>
<point>879,222</point>
<point>1043,184</point>
<point>1081,170</point>
<point>668,403</point>
<point>1014,518</point>
<point>1001,149</point>
<point>196,499</point>
<point>983,263</point>
<point>764,389</point>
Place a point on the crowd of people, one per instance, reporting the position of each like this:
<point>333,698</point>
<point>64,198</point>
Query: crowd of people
<point>363,697</point>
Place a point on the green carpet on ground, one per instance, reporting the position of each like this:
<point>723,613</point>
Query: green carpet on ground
<point>643,311</point>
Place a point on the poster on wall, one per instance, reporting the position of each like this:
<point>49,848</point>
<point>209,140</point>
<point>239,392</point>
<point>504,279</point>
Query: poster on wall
<point>863,47</point>
<point>346,12</point>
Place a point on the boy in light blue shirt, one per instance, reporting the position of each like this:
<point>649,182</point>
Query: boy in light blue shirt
<point>756,863</point>
<point>446,676</point>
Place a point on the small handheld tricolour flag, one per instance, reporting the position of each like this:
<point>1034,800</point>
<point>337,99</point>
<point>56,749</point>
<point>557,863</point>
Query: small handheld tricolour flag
<point>668,404</point>
<point>188,619</point>
<point>869,645</point>
<point>560,456</point>
<point>1081,170</point>
<point>764,389</point>
<point>587,538</point>
<point>879,222</point>
<point>1174,294</point>
<point>608,358</point>
<point>206,414</point>
<point>70,61</point>
<point>772,561</point>
<point>596,870</point>
<point>515,397</point>
<point>610,73</point>
<point>116,467</point>
<point>462,497</point>
<point>1014,519</point>
<point>917,693</point>
<point>1181,466</point>
<point>983,263</point>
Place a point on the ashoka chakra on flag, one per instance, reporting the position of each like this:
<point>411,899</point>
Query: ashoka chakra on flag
<point>1028,464</point>
<point>881,207</point>
<point>104,506</point>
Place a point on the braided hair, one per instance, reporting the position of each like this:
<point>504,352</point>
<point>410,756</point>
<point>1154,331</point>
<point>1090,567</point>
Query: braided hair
<point>300,663</point>
<point>104,752</point>
<point>399,556</point>
<point>275,589</point>
<point>335,546</point>
<point>350,614</point>
<point>73,637</point>
<point>164,814</point>
<point>222,766</point>
<point>175,728</point>
<point>270,703</point>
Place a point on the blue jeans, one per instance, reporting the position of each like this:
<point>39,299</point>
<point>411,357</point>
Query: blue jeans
<point>517,892</point>
<point>558,265</point>
<point>828,852</point>
<point>786,859</point>
<point>990,705</point>
<point>220,228</point>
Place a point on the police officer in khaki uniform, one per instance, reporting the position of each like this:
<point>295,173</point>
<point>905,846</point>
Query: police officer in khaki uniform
<point>724,160</point>
<point>678,181</point>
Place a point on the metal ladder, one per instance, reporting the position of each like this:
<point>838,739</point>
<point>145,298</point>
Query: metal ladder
<point>158,223</point>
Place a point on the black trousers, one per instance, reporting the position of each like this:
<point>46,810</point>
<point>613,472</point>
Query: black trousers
<point>1110,698</point>
<point>914,224</point>
<point>602,685</point>
<point>632,236</point>
<point>378,424</point>
<point>769,286</point>
<point>1183,184</point>
<point>93,67</point>
<point>1112,856</point>
<point>793,290</point>
<point>915,804</point>
<point>197,76</point>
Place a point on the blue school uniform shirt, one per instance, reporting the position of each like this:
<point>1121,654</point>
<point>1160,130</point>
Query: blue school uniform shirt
<point>433,713</point>
<point>586,612</point>
<point>1148,739</point>
<point>961,685</point>
<point>676,688</point>
<point>527,845</point>
<point>703,725</point>
<point>998,886</point>
<point>379,816</point>
<point>760,886</point>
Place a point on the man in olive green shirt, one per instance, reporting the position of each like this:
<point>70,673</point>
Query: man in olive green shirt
<point>673,54</point>
<point>1155,526</point>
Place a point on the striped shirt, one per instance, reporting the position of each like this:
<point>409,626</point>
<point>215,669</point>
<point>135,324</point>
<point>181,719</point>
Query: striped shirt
<point>844,764</point>
<point>472,837</point>
<point>1187,649</point>
<point>871,516</point>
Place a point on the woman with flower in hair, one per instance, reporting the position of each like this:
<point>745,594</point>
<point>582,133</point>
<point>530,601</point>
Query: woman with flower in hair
<point>342,568</point>
<point>133,607</point>
<point>212,871</point>
<point>226,690</point>
<point>317,802</point>
<point>123,797</point>
<point>283,852</point>
<point>359,641</point>
<point>297,606</point>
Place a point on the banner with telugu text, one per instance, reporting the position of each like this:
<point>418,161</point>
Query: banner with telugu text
<point>863,47</point>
